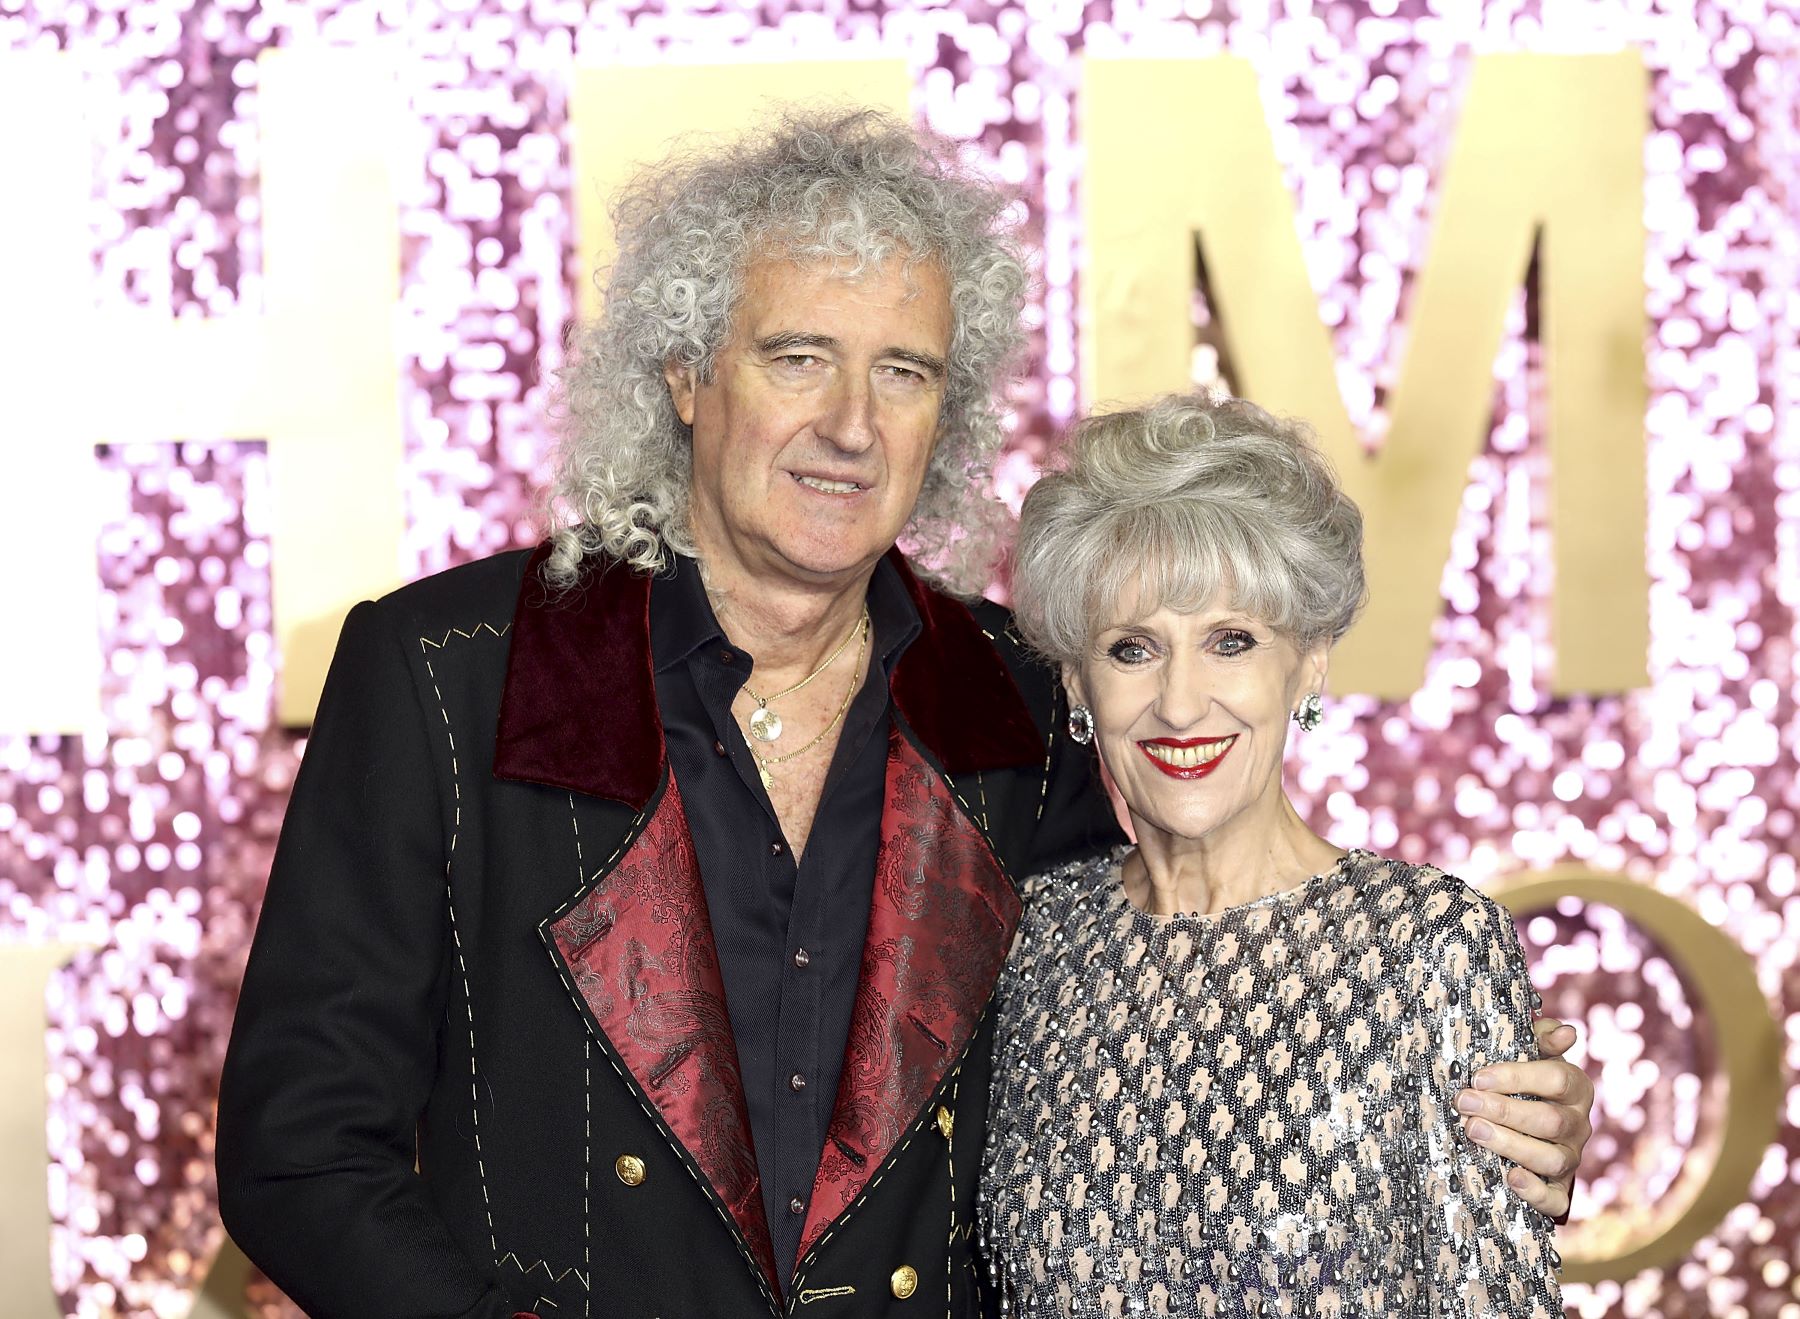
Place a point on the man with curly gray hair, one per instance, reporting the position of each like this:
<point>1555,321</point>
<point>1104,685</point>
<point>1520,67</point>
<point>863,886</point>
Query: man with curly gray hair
<point>630,942</point>
<point>753,786</point>
<point>849,194</point>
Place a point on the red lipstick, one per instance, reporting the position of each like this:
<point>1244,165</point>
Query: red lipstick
<point>1186,772</point>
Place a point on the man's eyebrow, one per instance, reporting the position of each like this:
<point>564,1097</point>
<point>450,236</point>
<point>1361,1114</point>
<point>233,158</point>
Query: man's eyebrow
<point>786,341</point>
<point>929,363</point>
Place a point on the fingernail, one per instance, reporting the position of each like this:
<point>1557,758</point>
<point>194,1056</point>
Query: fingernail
<point>1516,1179</point>
<point>1480,1132</point>
<point>1468,1103</point>
<point>1485,1081</point>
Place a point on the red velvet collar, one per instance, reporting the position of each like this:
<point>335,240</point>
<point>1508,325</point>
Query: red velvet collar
<point>579,707</point>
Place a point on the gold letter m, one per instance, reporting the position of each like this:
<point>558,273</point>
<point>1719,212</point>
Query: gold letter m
<point>1549,151</point>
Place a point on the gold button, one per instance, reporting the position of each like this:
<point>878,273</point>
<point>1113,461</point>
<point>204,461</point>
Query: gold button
<point>905,1281</point>
<point>630,1169</point>
<point>946,1122</point>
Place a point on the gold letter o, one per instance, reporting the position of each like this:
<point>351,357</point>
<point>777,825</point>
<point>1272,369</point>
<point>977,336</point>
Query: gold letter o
<point>1723,978</point>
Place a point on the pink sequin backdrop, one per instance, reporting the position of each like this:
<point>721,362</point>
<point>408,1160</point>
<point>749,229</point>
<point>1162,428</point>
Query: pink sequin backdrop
<point>158,830</point>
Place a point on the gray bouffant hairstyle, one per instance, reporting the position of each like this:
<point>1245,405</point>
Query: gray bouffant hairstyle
<point>1188,495</point>
<point>853,188</point>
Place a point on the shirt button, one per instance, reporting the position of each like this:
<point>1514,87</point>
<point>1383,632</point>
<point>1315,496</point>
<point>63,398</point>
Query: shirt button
<point>718,748</point>
<point>776,848</point>
<point>726,657</point>
<point>796,1083</point>
<point>796,1206</point>
<point>802,958</point>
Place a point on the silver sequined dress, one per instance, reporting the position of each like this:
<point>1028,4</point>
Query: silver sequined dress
<point>1250,1113</point>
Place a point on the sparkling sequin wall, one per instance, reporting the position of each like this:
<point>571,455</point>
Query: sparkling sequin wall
<point>147,838</point>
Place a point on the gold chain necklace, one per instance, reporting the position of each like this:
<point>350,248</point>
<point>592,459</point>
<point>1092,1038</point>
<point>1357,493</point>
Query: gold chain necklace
<point>765,724</point>
<point>765,763</point>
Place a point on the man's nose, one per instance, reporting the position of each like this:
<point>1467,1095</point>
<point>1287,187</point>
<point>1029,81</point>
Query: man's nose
<point>849,419</point>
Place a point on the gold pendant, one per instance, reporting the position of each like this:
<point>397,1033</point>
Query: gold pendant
<point>765,724</point>
<point>768,779</point>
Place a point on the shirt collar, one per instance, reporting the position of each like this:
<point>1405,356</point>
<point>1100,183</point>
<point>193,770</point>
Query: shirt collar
<point>578,709</point>
<point>682,621</point>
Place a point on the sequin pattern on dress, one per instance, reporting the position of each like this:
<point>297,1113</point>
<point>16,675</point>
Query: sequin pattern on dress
<point>1250,1114</point>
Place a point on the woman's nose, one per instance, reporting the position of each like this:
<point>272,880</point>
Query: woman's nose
<point>1183,700</point>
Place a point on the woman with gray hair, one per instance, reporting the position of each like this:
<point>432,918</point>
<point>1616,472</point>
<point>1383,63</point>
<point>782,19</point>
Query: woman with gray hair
<point>1227,1057</point>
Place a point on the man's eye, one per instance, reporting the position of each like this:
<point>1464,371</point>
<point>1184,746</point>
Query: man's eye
<point>797,361</point>
<point>1129,650</point>
<point>905,374</point>
<point>1235,642</point>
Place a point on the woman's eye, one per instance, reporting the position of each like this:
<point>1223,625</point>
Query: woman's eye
<point>1235,642</point>
<point>1129,650</point>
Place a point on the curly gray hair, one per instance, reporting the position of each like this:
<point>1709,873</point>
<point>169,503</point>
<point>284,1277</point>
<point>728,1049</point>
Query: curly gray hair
<point>1187,495</point>
<point>854,188</point>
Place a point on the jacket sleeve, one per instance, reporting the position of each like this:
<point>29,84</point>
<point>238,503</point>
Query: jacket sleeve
<point>335,1045</point>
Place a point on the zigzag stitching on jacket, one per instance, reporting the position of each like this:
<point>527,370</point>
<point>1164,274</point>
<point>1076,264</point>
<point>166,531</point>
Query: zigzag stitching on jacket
<point>631,1086</point>
<point>587,1103</point>
<point>489,628</point>
<point>462,966</point>
<point>528,1269</point>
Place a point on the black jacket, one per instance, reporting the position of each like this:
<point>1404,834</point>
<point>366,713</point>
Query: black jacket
<point>482,1063</point>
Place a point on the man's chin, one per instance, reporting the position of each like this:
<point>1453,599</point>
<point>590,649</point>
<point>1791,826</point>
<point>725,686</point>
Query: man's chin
<point>831,563</point>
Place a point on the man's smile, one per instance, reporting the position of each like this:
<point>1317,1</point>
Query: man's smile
<point>826,485</point>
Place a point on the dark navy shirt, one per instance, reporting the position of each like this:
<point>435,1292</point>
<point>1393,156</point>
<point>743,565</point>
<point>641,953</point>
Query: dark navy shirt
<point>790,937</point>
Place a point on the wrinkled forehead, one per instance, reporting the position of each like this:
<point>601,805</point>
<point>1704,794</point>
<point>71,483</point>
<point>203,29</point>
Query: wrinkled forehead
<point>890,305</point>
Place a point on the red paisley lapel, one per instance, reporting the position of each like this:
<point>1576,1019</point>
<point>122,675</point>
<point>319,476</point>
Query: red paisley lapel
<point>639,950</point>
<point>940,924</point>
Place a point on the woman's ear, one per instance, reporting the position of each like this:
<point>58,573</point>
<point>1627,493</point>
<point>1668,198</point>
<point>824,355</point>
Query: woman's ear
<point>1313,668</point>
<point>1072,684</point>
<point>682,382</point>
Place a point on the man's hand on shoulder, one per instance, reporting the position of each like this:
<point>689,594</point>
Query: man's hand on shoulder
<point>1543,1134</point>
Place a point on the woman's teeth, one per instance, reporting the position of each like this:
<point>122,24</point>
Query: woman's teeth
<point>829,487</point>
<point>1187,757</point>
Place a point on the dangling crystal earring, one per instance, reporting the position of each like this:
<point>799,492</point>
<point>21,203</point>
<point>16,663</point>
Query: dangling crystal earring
<point>1311,712</point>
<point>1081,724</point>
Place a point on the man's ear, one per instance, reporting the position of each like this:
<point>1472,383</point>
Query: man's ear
<point>682,382</point>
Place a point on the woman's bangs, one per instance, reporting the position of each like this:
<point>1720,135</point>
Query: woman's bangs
<point>1156,561</point>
